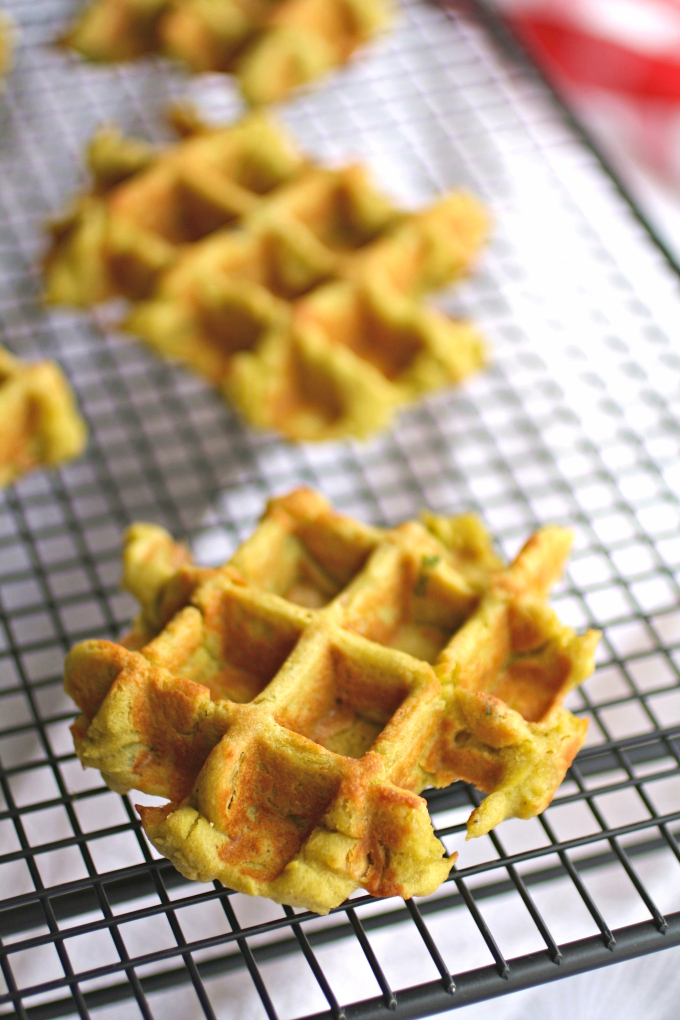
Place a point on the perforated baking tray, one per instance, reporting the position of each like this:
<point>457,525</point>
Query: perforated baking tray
<point>576,421</point>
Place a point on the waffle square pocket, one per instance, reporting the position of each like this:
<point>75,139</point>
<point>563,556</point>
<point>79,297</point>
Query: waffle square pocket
<point>292,705</point>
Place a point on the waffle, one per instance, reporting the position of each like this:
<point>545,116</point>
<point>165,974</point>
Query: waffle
<point>272,46</point>
<point>292,704</point>
<point>39,420</point>
<point>7,33</point>
<point>295,288</point>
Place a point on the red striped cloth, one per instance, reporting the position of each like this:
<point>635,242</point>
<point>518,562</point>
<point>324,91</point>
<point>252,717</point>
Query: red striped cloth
<point>619,60</point>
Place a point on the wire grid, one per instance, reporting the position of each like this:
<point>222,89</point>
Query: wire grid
<point>575,422</point>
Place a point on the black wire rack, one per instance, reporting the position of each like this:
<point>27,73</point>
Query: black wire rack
<point>576,421</point>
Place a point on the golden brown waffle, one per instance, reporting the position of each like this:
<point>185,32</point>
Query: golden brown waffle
<point>294,288</point>
<point>39,420</point>
<point>272,46</point>
<point>292,704</point>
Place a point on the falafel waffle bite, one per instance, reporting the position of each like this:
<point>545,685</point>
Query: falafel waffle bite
<point>7,36</point>
<point>39,419</point>
<point>271,46</point>
<point>292,704</point>
<point>293,287</point>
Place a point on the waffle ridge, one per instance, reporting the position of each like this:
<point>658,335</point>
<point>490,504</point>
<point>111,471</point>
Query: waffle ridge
<point>292,704</point>
<point>295,288</point>
<point>272,46</point>
<point>39,419</point>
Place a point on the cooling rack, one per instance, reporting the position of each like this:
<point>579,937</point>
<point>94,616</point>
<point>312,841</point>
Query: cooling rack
<point>574,422</point>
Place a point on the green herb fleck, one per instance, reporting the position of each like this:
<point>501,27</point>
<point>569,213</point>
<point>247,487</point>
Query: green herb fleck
<point>428,562</point>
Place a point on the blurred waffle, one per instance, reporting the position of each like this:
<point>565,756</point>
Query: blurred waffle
<point>294,288</point>
<point>39,420</point>
<point>292,704</point>
<point>272,46</point>
<point>7,33</point>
